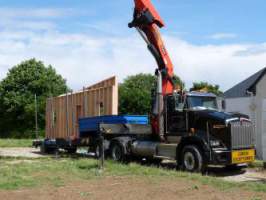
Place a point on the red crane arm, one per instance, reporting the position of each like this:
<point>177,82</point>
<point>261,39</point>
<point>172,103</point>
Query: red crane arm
<point>148,21</point>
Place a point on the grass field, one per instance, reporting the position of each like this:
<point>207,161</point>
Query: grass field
<point>20,173</point>
<point>16,142</point>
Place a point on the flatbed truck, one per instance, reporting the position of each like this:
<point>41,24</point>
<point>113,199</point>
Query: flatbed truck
<point>184,126</point>
<point>198,136</point>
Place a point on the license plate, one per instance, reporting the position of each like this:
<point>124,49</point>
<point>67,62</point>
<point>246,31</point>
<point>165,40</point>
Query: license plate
<point>243,156</point>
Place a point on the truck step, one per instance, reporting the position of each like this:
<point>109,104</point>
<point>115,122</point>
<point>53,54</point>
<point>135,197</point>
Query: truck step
<point>166,151</point>
<point>164,158</point>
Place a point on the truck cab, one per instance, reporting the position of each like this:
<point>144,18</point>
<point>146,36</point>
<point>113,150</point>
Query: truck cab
<point>193,119</point>
<point>177,108</point>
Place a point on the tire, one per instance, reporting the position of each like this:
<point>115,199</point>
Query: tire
<point>47,150</point>
<point>191,159</point>
<point>43,148</point>
<point>97,151</point>
<point>71,150</point>
<point>117,152</point>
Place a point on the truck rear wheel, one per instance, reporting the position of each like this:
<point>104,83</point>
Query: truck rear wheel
<point>192,160</point>
<point>45,149</point>
<point>117,152</point>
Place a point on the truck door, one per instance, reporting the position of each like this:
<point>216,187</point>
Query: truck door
<point>175,116</point>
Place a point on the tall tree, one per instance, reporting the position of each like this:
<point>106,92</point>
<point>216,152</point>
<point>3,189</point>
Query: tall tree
<point>197,86</point>
<point>135,93</point>
<point>17,92</point>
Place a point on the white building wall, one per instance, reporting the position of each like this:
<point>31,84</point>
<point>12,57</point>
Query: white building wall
<point>241,105</point>
<point>261,117</point>
<point>255,107</point>
<point>263,129</point>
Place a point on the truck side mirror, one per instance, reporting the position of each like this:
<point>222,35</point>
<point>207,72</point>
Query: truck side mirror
<point>223,104</point>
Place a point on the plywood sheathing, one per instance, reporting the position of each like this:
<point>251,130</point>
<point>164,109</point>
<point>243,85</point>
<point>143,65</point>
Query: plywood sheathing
<point>62,112</point>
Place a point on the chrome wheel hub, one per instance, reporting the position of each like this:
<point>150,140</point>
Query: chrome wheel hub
<point>189,161</point>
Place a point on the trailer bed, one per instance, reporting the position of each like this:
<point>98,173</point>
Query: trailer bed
<point>91,124</point>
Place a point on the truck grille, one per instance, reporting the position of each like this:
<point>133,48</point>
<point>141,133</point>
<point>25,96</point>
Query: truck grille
<point>242,134</point>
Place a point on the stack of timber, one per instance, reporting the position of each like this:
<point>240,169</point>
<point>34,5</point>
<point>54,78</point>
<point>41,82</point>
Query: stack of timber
<point>63,112</point>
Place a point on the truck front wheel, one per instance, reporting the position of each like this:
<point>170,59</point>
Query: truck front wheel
<point>191,159</point>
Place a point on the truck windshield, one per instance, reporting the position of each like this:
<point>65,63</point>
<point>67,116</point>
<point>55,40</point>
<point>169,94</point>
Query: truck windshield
<point>197,102</point>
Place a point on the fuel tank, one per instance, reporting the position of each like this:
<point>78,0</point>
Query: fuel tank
<point>144,148</point>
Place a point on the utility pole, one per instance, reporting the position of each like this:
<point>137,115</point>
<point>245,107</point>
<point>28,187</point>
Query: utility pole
<point>36,117</point>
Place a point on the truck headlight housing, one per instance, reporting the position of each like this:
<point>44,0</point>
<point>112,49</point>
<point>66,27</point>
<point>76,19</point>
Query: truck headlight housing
<point>215,143</point>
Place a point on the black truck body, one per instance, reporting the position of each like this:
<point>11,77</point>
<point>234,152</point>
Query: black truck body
<point>196,135</point>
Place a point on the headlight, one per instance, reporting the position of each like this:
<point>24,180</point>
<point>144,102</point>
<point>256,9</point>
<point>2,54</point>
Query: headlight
<point>215,143</point>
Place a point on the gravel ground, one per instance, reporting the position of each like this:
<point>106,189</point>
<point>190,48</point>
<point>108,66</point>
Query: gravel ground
<point>248,175</point>
<point>20,152</point>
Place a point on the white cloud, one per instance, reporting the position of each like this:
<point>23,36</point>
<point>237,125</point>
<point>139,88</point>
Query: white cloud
<point>30,18</point>
<point>8,13</point>
<point>85,58</point>
<point>82,59</point>
<point>220,36</point>
<point>253,50</point>
<point>17,25</point>
<point>218,64</point>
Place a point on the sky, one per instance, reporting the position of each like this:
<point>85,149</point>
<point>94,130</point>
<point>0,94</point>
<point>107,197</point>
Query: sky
<point>221,42</point>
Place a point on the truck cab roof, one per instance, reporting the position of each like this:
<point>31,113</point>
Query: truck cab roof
<point>201,94</point>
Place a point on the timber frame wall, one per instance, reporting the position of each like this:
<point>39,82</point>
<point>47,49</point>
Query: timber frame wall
<point>63,112</point>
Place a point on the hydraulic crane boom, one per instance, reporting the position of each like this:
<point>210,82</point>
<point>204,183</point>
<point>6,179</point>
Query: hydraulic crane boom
<point>147,21</point>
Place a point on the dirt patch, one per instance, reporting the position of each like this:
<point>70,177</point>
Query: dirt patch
<point>242,175</point>
<point>249,175</point>
<point>131,188</point>
<point>20,152</point>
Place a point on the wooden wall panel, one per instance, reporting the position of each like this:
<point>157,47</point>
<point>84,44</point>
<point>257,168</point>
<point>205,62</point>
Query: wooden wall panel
<point>105,83</point>
<point>62,112</point>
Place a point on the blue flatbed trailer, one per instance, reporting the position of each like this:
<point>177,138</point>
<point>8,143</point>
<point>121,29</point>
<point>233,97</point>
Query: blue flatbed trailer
<point>90,131</point>
<point>112,127</point>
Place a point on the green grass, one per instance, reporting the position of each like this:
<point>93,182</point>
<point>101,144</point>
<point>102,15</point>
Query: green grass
<point>19,173</point>
<point>16,142</point>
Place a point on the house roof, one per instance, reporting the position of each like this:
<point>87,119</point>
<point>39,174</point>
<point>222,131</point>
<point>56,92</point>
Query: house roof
<point>240,90</point>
